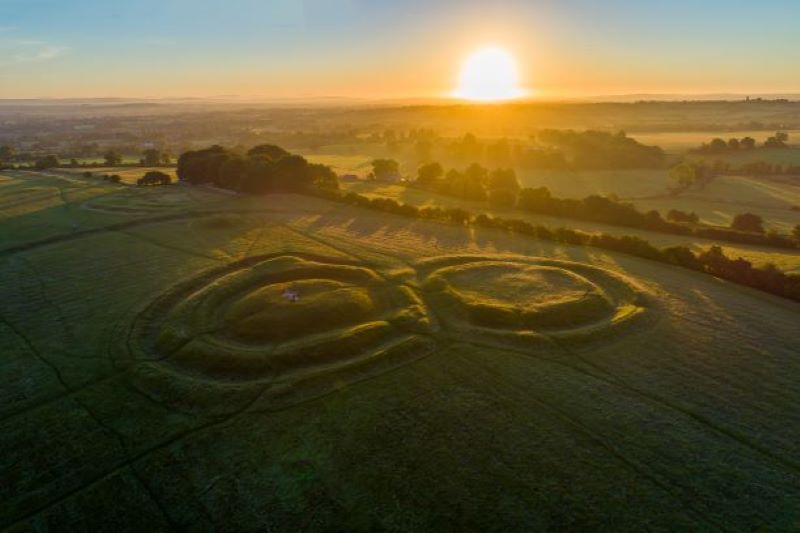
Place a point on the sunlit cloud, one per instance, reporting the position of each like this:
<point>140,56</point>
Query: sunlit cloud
<point>19,51</point>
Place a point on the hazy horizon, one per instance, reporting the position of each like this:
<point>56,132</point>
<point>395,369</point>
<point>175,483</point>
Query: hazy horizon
<point>315,49</point>
<point>335,99</point>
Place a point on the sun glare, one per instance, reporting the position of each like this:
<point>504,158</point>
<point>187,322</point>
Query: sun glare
<point>489,74</point>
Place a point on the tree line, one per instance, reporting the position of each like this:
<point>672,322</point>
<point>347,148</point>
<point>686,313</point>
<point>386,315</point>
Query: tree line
<point>476,182</point>
<point>111,158</point>
<point>752,168</point>
<point>263,169</point>
<point>745,228</point>
<point>718,145</point>
<point>549,149</point>
<point>553,149</point>
<point>600,150</point>
<point>500,188</point>
<point>711,261</point>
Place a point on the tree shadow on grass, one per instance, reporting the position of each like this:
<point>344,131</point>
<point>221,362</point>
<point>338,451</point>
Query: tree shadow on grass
<point>364,223</point>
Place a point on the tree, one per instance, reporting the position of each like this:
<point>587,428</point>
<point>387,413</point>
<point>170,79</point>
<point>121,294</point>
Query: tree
<point>112,158</point>
<point>428,174</point>
<point>777,141</point>
<point>682,256</point>
<point>718,145</point>
<point>154,177</point>
<point>291,174</point>
<point>323,177</point>
<point>748,222</point>
<point>230,172</point>
<point>258,173</point>
<point>49,161</point>
<point>733,144</point>
<point>676,215</point>
<point>385,169</point>
<point>502,197</point>
<point>477,173</point>
<point>536,200</point>
<point>470,185</point>
<point>747,143</point>
<point>505,179</point>
<point>151,157</point>
<point>268,151</point>
<point>201,166</point>
<point>7,154</point>
<point>682,176</point>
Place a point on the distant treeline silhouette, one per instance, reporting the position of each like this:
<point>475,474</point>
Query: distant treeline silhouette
<point>752,168</point>
<point>720,146</point>
<point>560,150</point>
<point>597,150</point>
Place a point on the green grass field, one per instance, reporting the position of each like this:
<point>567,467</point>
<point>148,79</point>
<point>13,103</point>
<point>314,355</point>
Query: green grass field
<point>358,164</point>
<point>788,260</point>
<point>717,203</point>
<point>770,197</point>
<point>430,377</point>
<point>678,142</point>
<point>128,174</point>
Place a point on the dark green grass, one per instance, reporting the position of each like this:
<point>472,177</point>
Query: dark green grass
<point>689,423</point>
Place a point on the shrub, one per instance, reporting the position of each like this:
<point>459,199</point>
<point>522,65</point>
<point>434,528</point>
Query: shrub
<point>676,215</point>
<point>748,222</point>
<point>502,198</point>
<point>154,178</point>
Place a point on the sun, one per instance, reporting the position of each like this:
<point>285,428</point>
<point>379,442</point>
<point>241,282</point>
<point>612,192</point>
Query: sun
<point>489,74</point>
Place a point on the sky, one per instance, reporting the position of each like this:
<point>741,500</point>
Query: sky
<point>392,48</point>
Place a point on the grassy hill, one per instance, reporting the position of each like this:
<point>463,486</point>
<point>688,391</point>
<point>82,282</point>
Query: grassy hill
<point>430,377</point>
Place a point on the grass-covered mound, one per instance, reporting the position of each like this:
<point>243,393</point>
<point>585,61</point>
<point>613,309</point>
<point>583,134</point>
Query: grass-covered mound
<point>266,314</point>
<point>238,325</point>
<point>528,298</point>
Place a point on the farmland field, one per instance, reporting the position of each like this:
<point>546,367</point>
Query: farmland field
<point>771,197</point>
<point>430,376</point>
<point>127,174</point>
<point>786,259</point>
<point>717,203</point>
<point>678,142</point>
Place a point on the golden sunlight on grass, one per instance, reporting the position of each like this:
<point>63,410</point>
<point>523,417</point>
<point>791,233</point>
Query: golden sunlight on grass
<point>489,74</point>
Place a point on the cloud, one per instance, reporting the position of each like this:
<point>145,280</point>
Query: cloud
<point>19,51</point>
